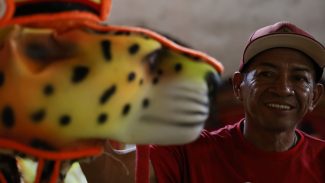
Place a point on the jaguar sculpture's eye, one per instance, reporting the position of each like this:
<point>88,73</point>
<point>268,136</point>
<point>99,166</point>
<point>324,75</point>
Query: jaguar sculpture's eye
<point>153,59</point>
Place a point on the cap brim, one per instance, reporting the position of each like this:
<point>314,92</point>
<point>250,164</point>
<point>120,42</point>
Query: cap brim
<point>310,47</point>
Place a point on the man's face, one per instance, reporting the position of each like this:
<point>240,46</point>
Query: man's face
<point>278,89</point>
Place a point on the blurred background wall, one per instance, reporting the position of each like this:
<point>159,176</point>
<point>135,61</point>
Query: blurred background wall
<point>219,28</point>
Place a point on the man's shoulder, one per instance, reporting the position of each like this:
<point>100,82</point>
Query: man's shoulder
<point>226,132</point>
<point>312,139</point>
<point>226,129</point>
<point>313,146</point>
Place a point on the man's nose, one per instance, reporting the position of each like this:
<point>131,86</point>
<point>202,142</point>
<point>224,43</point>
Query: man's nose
<point>283,86</point>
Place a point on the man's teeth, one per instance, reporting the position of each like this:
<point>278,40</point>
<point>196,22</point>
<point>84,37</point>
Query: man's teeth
<point>279,106</point>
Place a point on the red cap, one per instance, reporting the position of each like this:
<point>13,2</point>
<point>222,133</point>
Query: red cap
<point>287,35</point>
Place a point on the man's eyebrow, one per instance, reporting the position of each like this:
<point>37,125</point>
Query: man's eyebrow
<point>298,68</point>
<point>302,69</point>
<point>268,64</point>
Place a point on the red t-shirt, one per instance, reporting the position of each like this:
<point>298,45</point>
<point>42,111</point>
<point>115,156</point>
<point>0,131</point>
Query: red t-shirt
<point>225,156</point>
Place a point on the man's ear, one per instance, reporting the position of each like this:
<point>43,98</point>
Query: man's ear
<point>237,79</point>
<point>317,95</point>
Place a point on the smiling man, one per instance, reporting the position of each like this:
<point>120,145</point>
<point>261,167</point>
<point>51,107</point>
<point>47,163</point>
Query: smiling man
<point>277,89</point>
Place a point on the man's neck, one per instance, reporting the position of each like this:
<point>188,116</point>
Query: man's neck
<point>270,140</point>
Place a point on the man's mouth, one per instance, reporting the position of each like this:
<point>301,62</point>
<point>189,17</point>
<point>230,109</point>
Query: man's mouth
<point>279,106</point>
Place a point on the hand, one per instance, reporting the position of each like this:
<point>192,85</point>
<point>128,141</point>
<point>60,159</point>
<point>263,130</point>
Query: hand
<point>114,166</point>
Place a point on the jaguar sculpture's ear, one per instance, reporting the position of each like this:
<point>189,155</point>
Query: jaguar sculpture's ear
<point>29,11</point>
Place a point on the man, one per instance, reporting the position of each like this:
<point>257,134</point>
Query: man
<point>278,84</point>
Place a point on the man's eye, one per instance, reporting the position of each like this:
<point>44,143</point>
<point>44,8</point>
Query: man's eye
<point>301,78</point>
<point>266,74</point>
